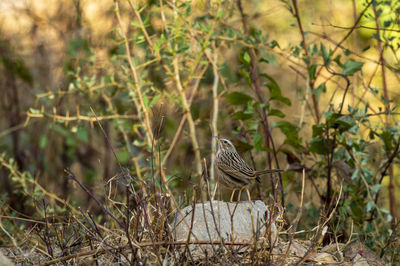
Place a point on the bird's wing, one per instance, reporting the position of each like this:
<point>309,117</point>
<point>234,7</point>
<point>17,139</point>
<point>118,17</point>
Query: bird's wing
<point>233,165</point>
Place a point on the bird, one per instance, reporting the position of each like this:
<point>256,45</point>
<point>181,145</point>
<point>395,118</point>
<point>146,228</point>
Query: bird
<point>232,171</point>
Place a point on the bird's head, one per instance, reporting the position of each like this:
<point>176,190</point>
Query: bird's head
<point>225,145</point>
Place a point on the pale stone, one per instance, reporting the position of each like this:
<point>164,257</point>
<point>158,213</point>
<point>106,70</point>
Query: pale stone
<point>216,220</point>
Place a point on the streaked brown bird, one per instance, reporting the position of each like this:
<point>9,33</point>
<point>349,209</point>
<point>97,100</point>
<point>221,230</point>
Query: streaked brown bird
<point>232,171</point>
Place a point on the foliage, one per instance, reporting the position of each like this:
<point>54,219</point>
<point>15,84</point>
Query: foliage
<point>131,114</point>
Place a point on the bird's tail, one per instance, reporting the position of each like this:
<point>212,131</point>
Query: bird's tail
<point>268,171</point>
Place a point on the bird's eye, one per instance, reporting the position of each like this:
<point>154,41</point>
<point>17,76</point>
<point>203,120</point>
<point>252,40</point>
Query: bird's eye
<point>225,141</point>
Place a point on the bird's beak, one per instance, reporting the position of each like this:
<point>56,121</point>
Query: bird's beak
<point>218,139</point>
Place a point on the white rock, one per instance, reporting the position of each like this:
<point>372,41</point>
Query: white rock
<point>238,222</point>
<point>4,261</point>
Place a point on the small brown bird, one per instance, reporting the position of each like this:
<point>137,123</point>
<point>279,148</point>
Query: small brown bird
<point>232,171</point>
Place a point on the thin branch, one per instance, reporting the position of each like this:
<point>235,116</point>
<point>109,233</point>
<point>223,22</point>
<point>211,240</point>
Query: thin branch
<point>322,229</point>
<point>136,87</point>
<point>73,177</point>
<point>34,182</point>
<point>381,50</point>
<point>183,119</point>
<point>214,119</point>
<point>310,83</point>
<point>356,27</point>
<point>142,245</point>
<point>299,213</point>
<point>388,164</point>
<point>256,82</point>
<point>188,114</point>
<point>147,37</point>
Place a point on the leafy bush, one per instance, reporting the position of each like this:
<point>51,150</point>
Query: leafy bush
<point>133,111</point>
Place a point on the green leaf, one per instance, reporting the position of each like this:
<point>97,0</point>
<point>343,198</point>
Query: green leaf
<point>17,67</point>
<point>387,138</point>
<point>146,101</point>
<point>71,142</point>
<point>82,134</point>
<point>220,13</point>
<point>291,133</point>
<point>387,23</point>
<point>273,44</point>
<point>351,67</point>
<point>246,58</point>
<point>372,134</point>
<point>311,71</point>
<point>245,75</point>
<point>319,90</point>
<point>264,59</point>
<point>318,130</point>
<point>370,206</point>
<point>276,112</point>
<point>275,90</point>
<point>231,33</point>
<point>251,108</point>
<point>123,156</point>
<point>355,174</point>
<point>356,209</point>
<point>154,100</point>
<point>238,98</point>
<point>241,116</point>
<point>376,188</point>
<point>227,72</point>
<point>345,122</point>
<point>43,141</point>
<point>252,125</point>
<point>135,24</point>
<point>366,48</point>
<point>325,55</point>
<point>286,178</point>
<point>258,142</point>
<point>314,49</point>
<point>331,119</point>
<point>317,145</point>
<point>34,111</point>
<point>337,60</point>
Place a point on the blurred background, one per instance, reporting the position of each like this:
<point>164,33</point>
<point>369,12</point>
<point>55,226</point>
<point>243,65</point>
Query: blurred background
<point>65,68</point>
